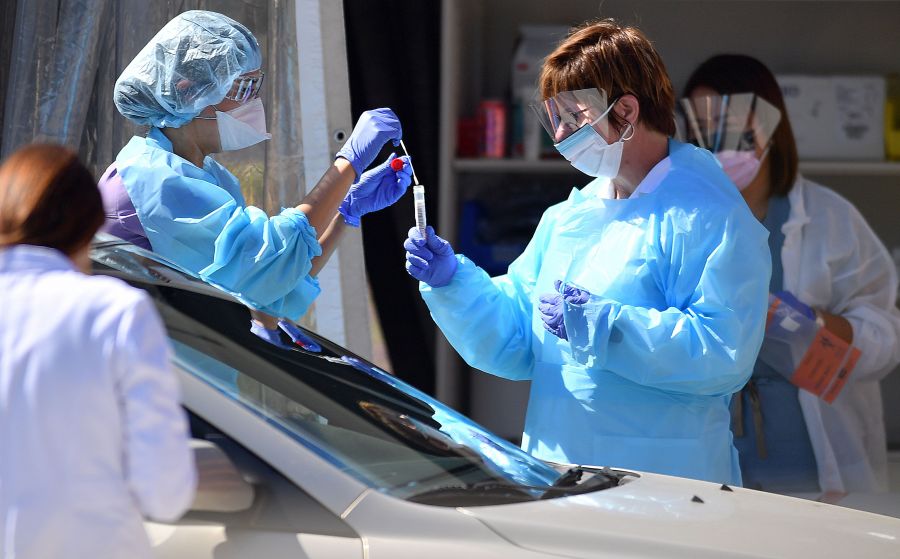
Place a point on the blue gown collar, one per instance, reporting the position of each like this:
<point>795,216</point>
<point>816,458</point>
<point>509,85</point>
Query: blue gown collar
<point>212,168</point>
<point>162,142</point>
<point>600,187</point>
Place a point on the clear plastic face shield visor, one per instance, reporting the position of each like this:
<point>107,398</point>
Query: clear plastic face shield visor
<point>246,88</point>
<point>740,122</point>
<point>564,113</point>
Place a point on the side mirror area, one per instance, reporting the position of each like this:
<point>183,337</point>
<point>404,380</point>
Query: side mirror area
<point>220,486</point>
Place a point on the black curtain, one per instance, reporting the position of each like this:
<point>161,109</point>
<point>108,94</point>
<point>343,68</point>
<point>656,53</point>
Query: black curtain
<point>7,33</point>
<point>393,52</point>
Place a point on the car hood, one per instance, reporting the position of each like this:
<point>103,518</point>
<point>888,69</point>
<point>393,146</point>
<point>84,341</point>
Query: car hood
<point>662,516</point>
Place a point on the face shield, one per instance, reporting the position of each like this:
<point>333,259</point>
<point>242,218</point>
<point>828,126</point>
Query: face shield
<point>740,122</point>
<point>737,128</point>
<point>246,88</point>
<point>564,113</point>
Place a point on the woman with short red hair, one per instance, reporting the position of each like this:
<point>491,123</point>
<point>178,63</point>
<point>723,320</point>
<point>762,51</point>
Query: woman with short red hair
<point>92,436</point>
<point>638,307</point>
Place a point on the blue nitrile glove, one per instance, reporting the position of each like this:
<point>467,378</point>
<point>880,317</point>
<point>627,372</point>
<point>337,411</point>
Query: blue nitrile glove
<point>791,300</point>
<point>299,337</point>
<point>271,336</point>
<point>571,294</point>
<point>431,261</point>
<point>376,189</point>
<point>551,307</point>
<point>373,130</point>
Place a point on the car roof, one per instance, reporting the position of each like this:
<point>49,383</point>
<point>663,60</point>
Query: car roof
<point>116,257</point>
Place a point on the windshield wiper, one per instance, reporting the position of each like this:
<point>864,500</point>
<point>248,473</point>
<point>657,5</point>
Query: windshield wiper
<point>570,477</point>
<point>568,482</point>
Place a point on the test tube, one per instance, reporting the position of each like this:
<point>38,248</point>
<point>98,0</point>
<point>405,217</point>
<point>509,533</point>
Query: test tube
<point>419,203</point>
<point>418,197</point>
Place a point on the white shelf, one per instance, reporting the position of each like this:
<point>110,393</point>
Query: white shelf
<point>833,168</point>
<point>853,168</point>
<point>513,166</point>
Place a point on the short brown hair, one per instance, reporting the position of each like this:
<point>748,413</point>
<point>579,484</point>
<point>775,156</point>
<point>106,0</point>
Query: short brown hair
<point>618,60</point>
<point>737,73</point>
<point>48,198</point>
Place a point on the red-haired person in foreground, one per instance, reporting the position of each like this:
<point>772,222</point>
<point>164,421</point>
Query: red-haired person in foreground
<point>92,435</point>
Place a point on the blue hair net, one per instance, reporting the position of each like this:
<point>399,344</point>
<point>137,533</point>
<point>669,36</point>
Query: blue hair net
<point>190,64</point>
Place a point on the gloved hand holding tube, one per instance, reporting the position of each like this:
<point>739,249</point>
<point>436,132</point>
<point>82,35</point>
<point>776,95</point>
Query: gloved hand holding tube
<point>376,189</point>
<point>430,260</point>
<point>373,129</point>
<point>800,348</point>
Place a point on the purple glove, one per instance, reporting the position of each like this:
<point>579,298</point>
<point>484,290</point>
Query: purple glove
<point>372,131</point>
<point>271,336</point>
<point>551,307</point>
<point>299,337</point>
<point>791,300</point>
<point>431,261</point>
<point>377,189</point>
<point>572,294</point>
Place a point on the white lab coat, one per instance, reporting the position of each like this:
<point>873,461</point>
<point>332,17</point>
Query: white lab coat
<point>833,260</point>
<point>91,432</point>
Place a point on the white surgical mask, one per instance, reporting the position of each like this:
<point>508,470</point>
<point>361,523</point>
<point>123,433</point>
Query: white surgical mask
<point>740,166</point>
<point>588,152</point>
<point>243,126</point>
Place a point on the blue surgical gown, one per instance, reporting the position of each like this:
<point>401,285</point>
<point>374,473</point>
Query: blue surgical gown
<point>198,219</point>
<point>679,279</point>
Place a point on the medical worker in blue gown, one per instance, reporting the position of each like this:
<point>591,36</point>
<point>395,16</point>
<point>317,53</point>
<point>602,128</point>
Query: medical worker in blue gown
<point>196,85</point>
<point>639,305</point>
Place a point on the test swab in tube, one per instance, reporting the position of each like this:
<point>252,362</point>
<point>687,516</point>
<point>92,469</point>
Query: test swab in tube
<point>411,168</point>
<point>418,197</point>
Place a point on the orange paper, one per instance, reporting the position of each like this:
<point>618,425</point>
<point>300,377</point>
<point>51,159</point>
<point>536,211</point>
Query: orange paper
<point>842,376</point>
<point>828,363</point>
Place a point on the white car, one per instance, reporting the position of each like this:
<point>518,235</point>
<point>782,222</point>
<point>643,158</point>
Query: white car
<point>314,453</point>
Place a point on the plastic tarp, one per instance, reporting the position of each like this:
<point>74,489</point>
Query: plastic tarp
<point>60,60</point>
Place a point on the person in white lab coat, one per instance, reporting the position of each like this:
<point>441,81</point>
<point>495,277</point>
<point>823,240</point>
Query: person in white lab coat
<point>831,263</point>
<point>92,436</point>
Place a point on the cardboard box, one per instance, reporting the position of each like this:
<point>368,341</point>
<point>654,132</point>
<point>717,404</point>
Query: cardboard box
<point>836,117</point>
<point>529,140</point>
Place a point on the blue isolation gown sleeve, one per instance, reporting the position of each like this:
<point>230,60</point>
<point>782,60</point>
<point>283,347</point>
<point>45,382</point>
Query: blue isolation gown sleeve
<point>267,260</point>
<point>197,218</point>
<point>715,275</point>
<point>488,320</point>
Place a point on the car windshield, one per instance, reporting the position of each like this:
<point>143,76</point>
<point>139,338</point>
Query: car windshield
<point>363,420</point>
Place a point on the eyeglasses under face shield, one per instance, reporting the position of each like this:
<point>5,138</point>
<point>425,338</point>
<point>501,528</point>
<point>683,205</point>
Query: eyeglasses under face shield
<point>567,111</point>
<point>246,88</point>
<point>728,122</point>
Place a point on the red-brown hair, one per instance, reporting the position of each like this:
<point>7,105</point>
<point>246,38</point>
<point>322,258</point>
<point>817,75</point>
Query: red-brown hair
<point>618,60</point>
<point>48,198</point>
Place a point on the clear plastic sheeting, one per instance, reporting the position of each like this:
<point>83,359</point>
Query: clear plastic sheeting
<point>738,122</point>
<point>193,62</point>
<point>61,59</point>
